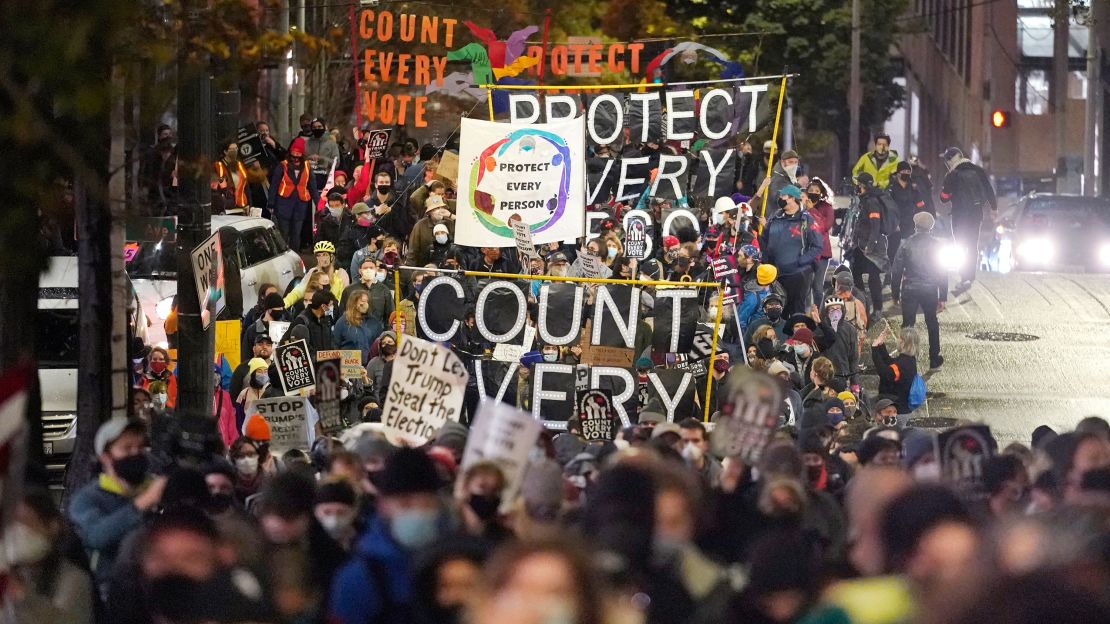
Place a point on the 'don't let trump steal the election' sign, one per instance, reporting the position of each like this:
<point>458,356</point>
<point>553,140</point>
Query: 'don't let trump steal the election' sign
<point>425,391</point>
<point>534,172</point>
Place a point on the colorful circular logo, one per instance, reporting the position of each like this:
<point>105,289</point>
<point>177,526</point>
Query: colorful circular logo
<point>524,142</point>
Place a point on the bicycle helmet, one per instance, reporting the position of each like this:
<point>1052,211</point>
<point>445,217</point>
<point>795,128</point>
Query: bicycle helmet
<point>834,301</point>
<point>324,247</point>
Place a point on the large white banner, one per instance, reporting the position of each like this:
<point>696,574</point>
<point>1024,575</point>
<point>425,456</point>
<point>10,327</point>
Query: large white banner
<point>532,172</point>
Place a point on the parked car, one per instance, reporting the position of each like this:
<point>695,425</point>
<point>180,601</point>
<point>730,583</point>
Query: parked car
<point>56,347</point>
<point>1061,231</point>
<point>251,244</point>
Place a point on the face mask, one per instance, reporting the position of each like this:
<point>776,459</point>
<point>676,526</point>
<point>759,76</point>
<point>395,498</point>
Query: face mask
<point>368,275</point>
<point>927,472</point>
<point>814,197</point>
<point>317,132</point>
<point>216,380</point>
<point>159,400</point>
<point>132,469</point>
<point>381,276</point>
<point>814,473</point>
<point>485,507</point>
<point>219,503</point>
<point>335,212</point>
<point>880,150</point>
<point>834,317</point>
<point>441,239</point>
<point>260,381</point>
<point>389,349</point>
<point>247,466</point>
<point>802,350</point>
<point>719,218</point>
<point>559,271</point>
<point>691,453</point>
<point>712,313</point>
<point>363,307</point>
<point>418,287</point>
<point>415,529</point>
<point>549,356</point>
<point>791,170</point>
<point>720,366</point>
<point>612,252</point>
<point>774,313</point>
<point>157,367</point>
<point>905,177</point>
<point>336,525</point>
<point>782,202</point>
<point>24,545</point>
<point>384,189</point>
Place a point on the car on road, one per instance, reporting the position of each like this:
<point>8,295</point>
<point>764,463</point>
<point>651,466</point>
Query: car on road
<point>1053,232</point>
<point>251,244</point>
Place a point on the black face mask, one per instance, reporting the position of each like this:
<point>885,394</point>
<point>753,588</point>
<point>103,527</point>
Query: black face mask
<point>814,197</point>
<point>317,132</point>
<point>132,469</point>
<point>295,161</point>
<point>389,349</point>
<point>782,202</point>
<point>905,177</point>
<point>485,507</point>
<point>774,313</point>
<point>384,189</point>
<point>219,503</point>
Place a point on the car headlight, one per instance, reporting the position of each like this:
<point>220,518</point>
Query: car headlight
<point>1104,254</point>
<point>1037,250</point>
<point>164,307</point>
<point>951,257</point>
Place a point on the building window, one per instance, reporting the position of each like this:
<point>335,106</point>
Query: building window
<point>1031,92</point>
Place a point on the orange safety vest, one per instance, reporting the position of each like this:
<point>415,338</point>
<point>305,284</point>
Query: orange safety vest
<point>285,189</point>
<point>224,177</point>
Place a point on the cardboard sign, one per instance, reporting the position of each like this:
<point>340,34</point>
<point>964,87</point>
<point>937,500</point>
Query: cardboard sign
<point>504,352</point>
<point>151,229</point>
<point>228,336</point>
<point>523,237</point>
<point>504,435</point>
<point>595,411</point>
<point>448,169</point>
<point>327,395</point>
<point>288,420</point>
<point>963,452</point>
<point>250,145</point>
<point>635,237</point>
<point>581,377</point>
<point>294,362</point>
<point>208,275</point>
<point>750,403</point>
<point>426,390</point>
<point>591,265</point>
<point>377,144</point>
<point>350,362</point>
<point>606,356</point>
<point>277,330</point>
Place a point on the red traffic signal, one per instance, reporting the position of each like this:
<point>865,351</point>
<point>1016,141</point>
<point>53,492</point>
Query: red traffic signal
<point>1000,119</point>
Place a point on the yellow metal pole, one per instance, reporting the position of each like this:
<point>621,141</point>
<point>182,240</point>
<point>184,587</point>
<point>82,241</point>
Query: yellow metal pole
<point>774,144</point>
<point>397,304</point>
<point>713,352</point>
<point>589,280</point>
<point>489,100</point>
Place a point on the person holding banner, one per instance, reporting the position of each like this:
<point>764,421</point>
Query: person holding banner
<point>790,241</point>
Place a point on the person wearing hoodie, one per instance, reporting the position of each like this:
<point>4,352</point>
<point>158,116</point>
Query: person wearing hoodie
<point>223,410</point>
<point>320,150</point>
<point>866,239</point>
<point>838,341</point>
<point>817,202</point>
<point>380,368</point>
<point>273,309</point>
<point>338,225</point>
<point>968,188</point>
<point>916,278</point>
<point>375,584</point>
<point>880,163</point>
<point>293,193</point>
<point>256,387</point>
<point>791,241</point>
<point>783,174</point>
<point>896,374</point>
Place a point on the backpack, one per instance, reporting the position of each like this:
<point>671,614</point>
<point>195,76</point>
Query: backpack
<point>917,392</point>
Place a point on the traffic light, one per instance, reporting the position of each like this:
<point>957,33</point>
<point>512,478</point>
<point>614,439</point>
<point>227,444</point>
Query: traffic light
<point>1000,118</point>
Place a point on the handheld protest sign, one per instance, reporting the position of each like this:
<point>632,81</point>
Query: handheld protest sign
<point>749,414</point>
<point>635,237</point>
<point>288,420</point>
<point>327,395</point>
<point>277,330</point>
<point>250,144</point>
<point>295,367</point>
<point>523,238</point>
<point>377,144</point>
<point>503,435</point>
<point>426,390</point>
<point>963,453</point>
<point>595,411</point>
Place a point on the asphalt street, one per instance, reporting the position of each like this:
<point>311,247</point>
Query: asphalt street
<point>1020,350</point>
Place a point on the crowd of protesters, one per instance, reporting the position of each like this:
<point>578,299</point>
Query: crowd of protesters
<point>850,514</point>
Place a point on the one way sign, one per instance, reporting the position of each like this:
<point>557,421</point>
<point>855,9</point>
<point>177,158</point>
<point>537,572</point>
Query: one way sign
<point>208,273</point>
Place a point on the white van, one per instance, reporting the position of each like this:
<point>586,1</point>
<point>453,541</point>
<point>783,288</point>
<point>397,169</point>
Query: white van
<point>56,347</point>
<point>259,251</point>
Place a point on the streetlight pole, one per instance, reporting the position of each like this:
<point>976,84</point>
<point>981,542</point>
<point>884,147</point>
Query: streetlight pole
<point>855,95</point>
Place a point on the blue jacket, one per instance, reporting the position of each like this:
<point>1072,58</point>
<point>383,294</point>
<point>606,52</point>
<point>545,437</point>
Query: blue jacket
<point>357,589</point>
<point>103,516</point>
<point>791,243</point>
<point>751,305</point>
<point>348,336</point>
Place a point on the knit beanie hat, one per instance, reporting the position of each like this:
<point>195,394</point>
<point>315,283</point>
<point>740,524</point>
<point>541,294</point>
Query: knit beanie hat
<point>256,428</point>
<point>335,492</point>
<point>408,471</point>
<point>256,364</point>
<point>766,274</point>
<point>452,436</point>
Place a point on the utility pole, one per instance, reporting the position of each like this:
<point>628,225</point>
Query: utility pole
<point>1095,97</point>
<point>1059,99</point>
<point>281,85</point>
<point>194,215</point>
<point>299,71</point>
<point>855,93</point>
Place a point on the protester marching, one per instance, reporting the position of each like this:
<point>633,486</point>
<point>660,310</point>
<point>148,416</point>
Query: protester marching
<point>603,367</point>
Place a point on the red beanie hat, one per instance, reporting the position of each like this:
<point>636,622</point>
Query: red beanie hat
<point>297,146</point>
<point>670,241</point>
<point>256,428</point>
<point>802,336</point>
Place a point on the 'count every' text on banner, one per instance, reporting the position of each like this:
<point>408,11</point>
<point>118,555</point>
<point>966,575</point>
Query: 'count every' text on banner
<point>531,172</point>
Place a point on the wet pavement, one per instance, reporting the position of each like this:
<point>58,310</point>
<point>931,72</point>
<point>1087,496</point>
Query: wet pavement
<point>1020,350</point>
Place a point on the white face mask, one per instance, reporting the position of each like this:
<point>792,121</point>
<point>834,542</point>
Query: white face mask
<point>335,212</point>
<point>834,317</point>
<point>712,313</point>
<point>24,545</point>
<point>550,356</point>
<point>246,466</point>
<point>441,239</point>
<point>691,453</point>
<point>719,218</point>
<point>368,275</point>
<point>336,525</point>
<point>802,350</point>
<point>381,276</point>
<point>159,400</point>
